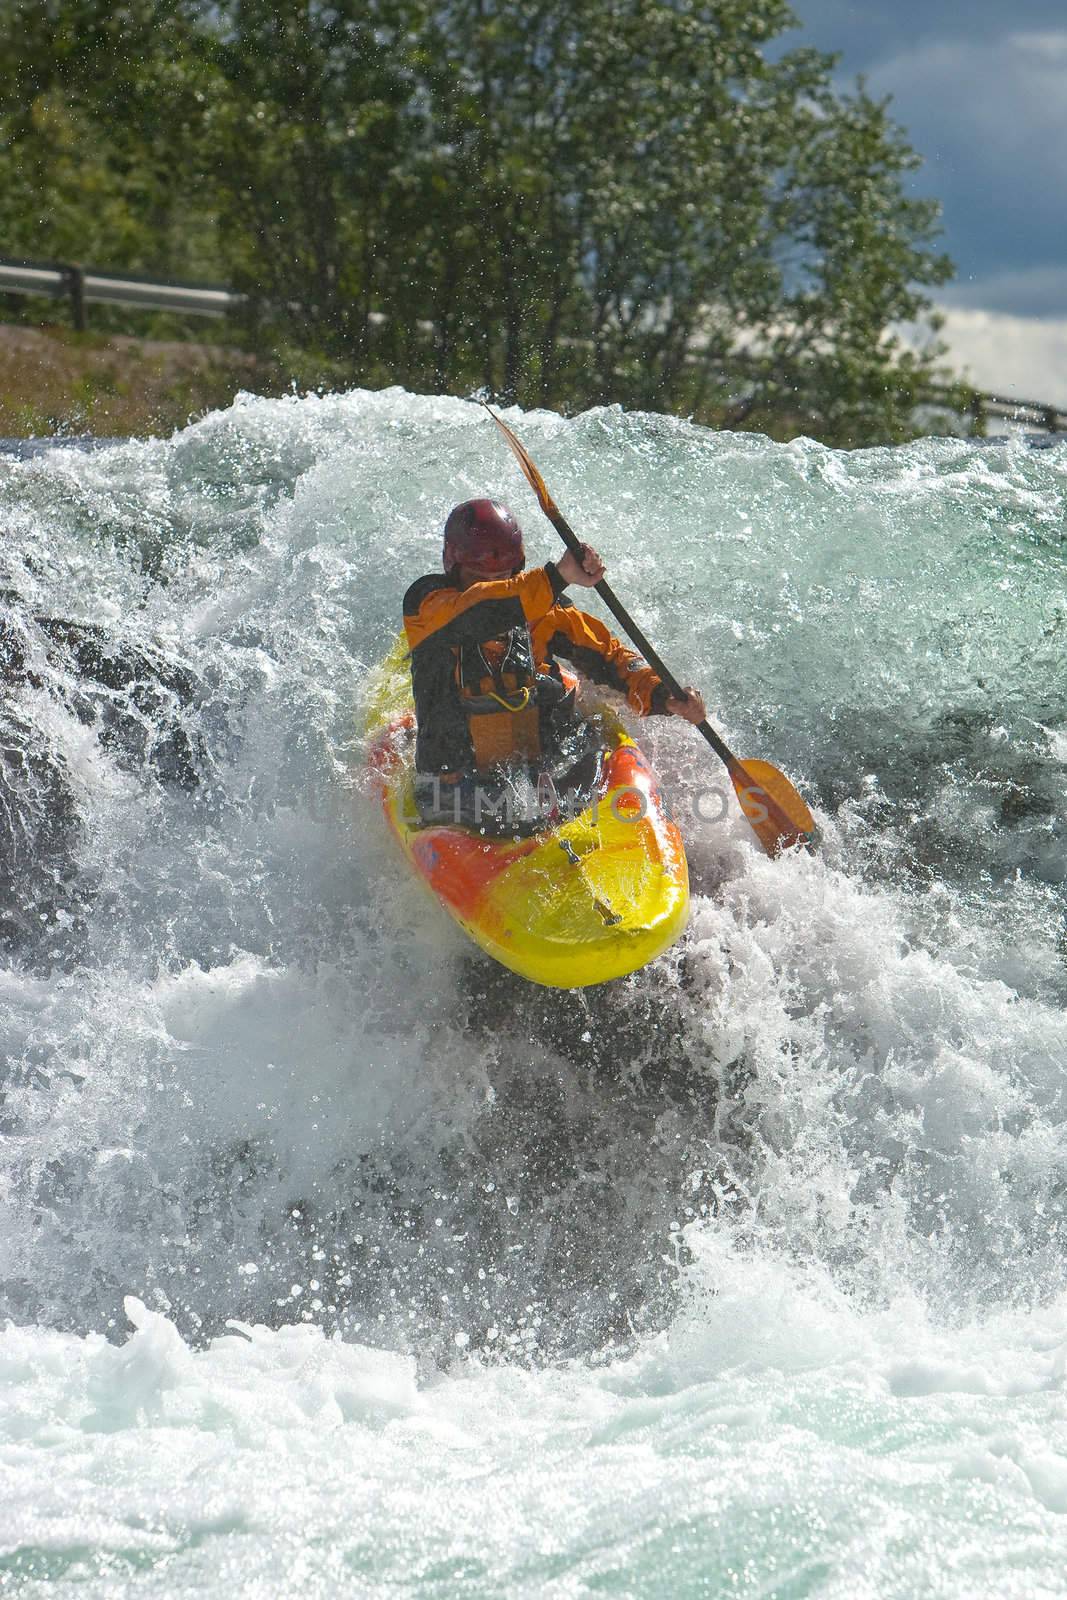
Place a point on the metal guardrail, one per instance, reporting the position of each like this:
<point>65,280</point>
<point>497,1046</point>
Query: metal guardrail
<point>83,286</point>
<point>1032,413</point>
<point>1035,412</point>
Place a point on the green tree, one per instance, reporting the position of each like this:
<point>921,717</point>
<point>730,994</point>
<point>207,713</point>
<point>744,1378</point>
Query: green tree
<point>313,140</point>
<point>629,200</point>
<point>103,133</point>
<point>856,252</point>
<point>564,201</point>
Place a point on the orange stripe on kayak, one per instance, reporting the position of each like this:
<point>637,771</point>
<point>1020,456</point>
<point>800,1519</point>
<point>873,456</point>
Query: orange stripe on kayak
<point>461,867</point>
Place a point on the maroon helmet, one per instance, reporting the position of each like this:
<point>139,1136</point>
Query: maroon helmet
<point>483,534</point>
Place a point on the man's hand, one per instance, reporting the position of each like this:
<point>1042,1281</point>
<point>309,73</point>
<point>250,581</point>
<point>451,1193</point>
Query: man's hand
<point>587,573</point>
<point>692,708</point>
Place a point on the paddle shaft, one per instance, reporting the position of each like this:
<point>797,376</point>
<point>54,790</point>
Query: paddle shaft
<point>778,815</point>
<point>629,626</point>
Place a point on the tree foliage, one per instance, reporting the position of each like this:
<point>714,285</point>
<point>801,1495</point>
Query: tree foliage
<point>565,201</point>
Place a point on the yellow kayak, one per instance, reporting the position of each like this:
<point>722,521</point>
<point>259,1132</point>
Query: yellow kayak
<point>588,900</point>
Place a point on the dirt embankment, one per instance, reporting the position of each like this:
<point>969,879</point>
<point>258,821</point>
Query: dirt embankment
<point>55,381</point>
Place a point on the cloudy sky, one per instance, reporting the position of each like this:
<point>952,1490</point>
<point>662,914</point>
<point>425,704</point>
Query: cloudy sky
<point>981,87</point>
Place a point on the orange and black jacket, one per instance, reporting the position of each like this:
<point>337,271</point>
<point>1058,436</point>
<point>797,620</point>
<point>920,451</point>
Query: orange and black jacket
<point>446,624</point>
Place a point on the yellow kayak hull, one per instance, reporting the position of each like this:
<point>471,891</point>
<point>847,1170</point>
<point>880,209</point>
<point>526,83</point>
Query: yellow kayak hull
<point>589,900</point>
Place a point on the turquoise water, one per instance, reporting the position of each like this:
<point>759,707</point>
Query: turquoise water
<point>336,1261</point>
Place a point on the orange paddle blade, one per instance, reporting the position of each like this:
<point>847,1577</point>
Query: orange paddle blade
<point>778,816</point>
<point>533,477</point>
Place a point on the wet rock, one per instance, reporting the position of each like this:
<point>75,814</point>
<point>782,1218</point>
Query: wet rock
<point>137,698</point>
<point>140,705</point>
<point>40,832</point>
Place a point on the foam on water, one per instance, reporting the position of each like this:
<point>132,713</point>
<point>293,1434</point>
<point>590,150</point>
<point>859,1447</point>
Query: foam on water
<point>772,1441</point>
<point>741,1275</point>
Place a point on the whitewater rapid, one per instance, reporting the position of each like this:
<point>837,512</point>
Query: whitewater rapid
<point>333,1256</point>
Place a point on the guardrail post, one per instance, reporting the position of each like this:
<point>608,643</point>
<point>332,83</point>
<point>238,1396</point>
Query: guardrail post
<point>74,273</point>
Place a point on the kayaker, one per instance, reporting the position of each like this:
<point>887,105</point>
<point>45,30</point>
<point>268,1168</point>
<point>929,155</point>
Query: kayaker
<point>491,699</point>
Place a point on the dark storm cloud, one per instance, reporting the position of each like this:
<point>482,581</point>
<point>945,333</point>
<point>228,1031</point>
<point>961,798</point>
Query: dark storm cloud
<point>981,89</point>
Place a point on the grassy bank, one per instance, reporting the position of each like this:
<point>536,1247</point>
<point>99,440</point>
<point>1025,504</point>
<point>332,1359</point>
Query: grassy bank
<point>55,381</point>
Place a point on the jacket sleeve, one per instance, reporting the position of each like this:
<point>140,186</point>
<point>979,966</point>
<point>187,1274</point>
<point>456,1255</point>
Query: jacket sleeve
<point>438,610</point>
<point>584,641</point>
